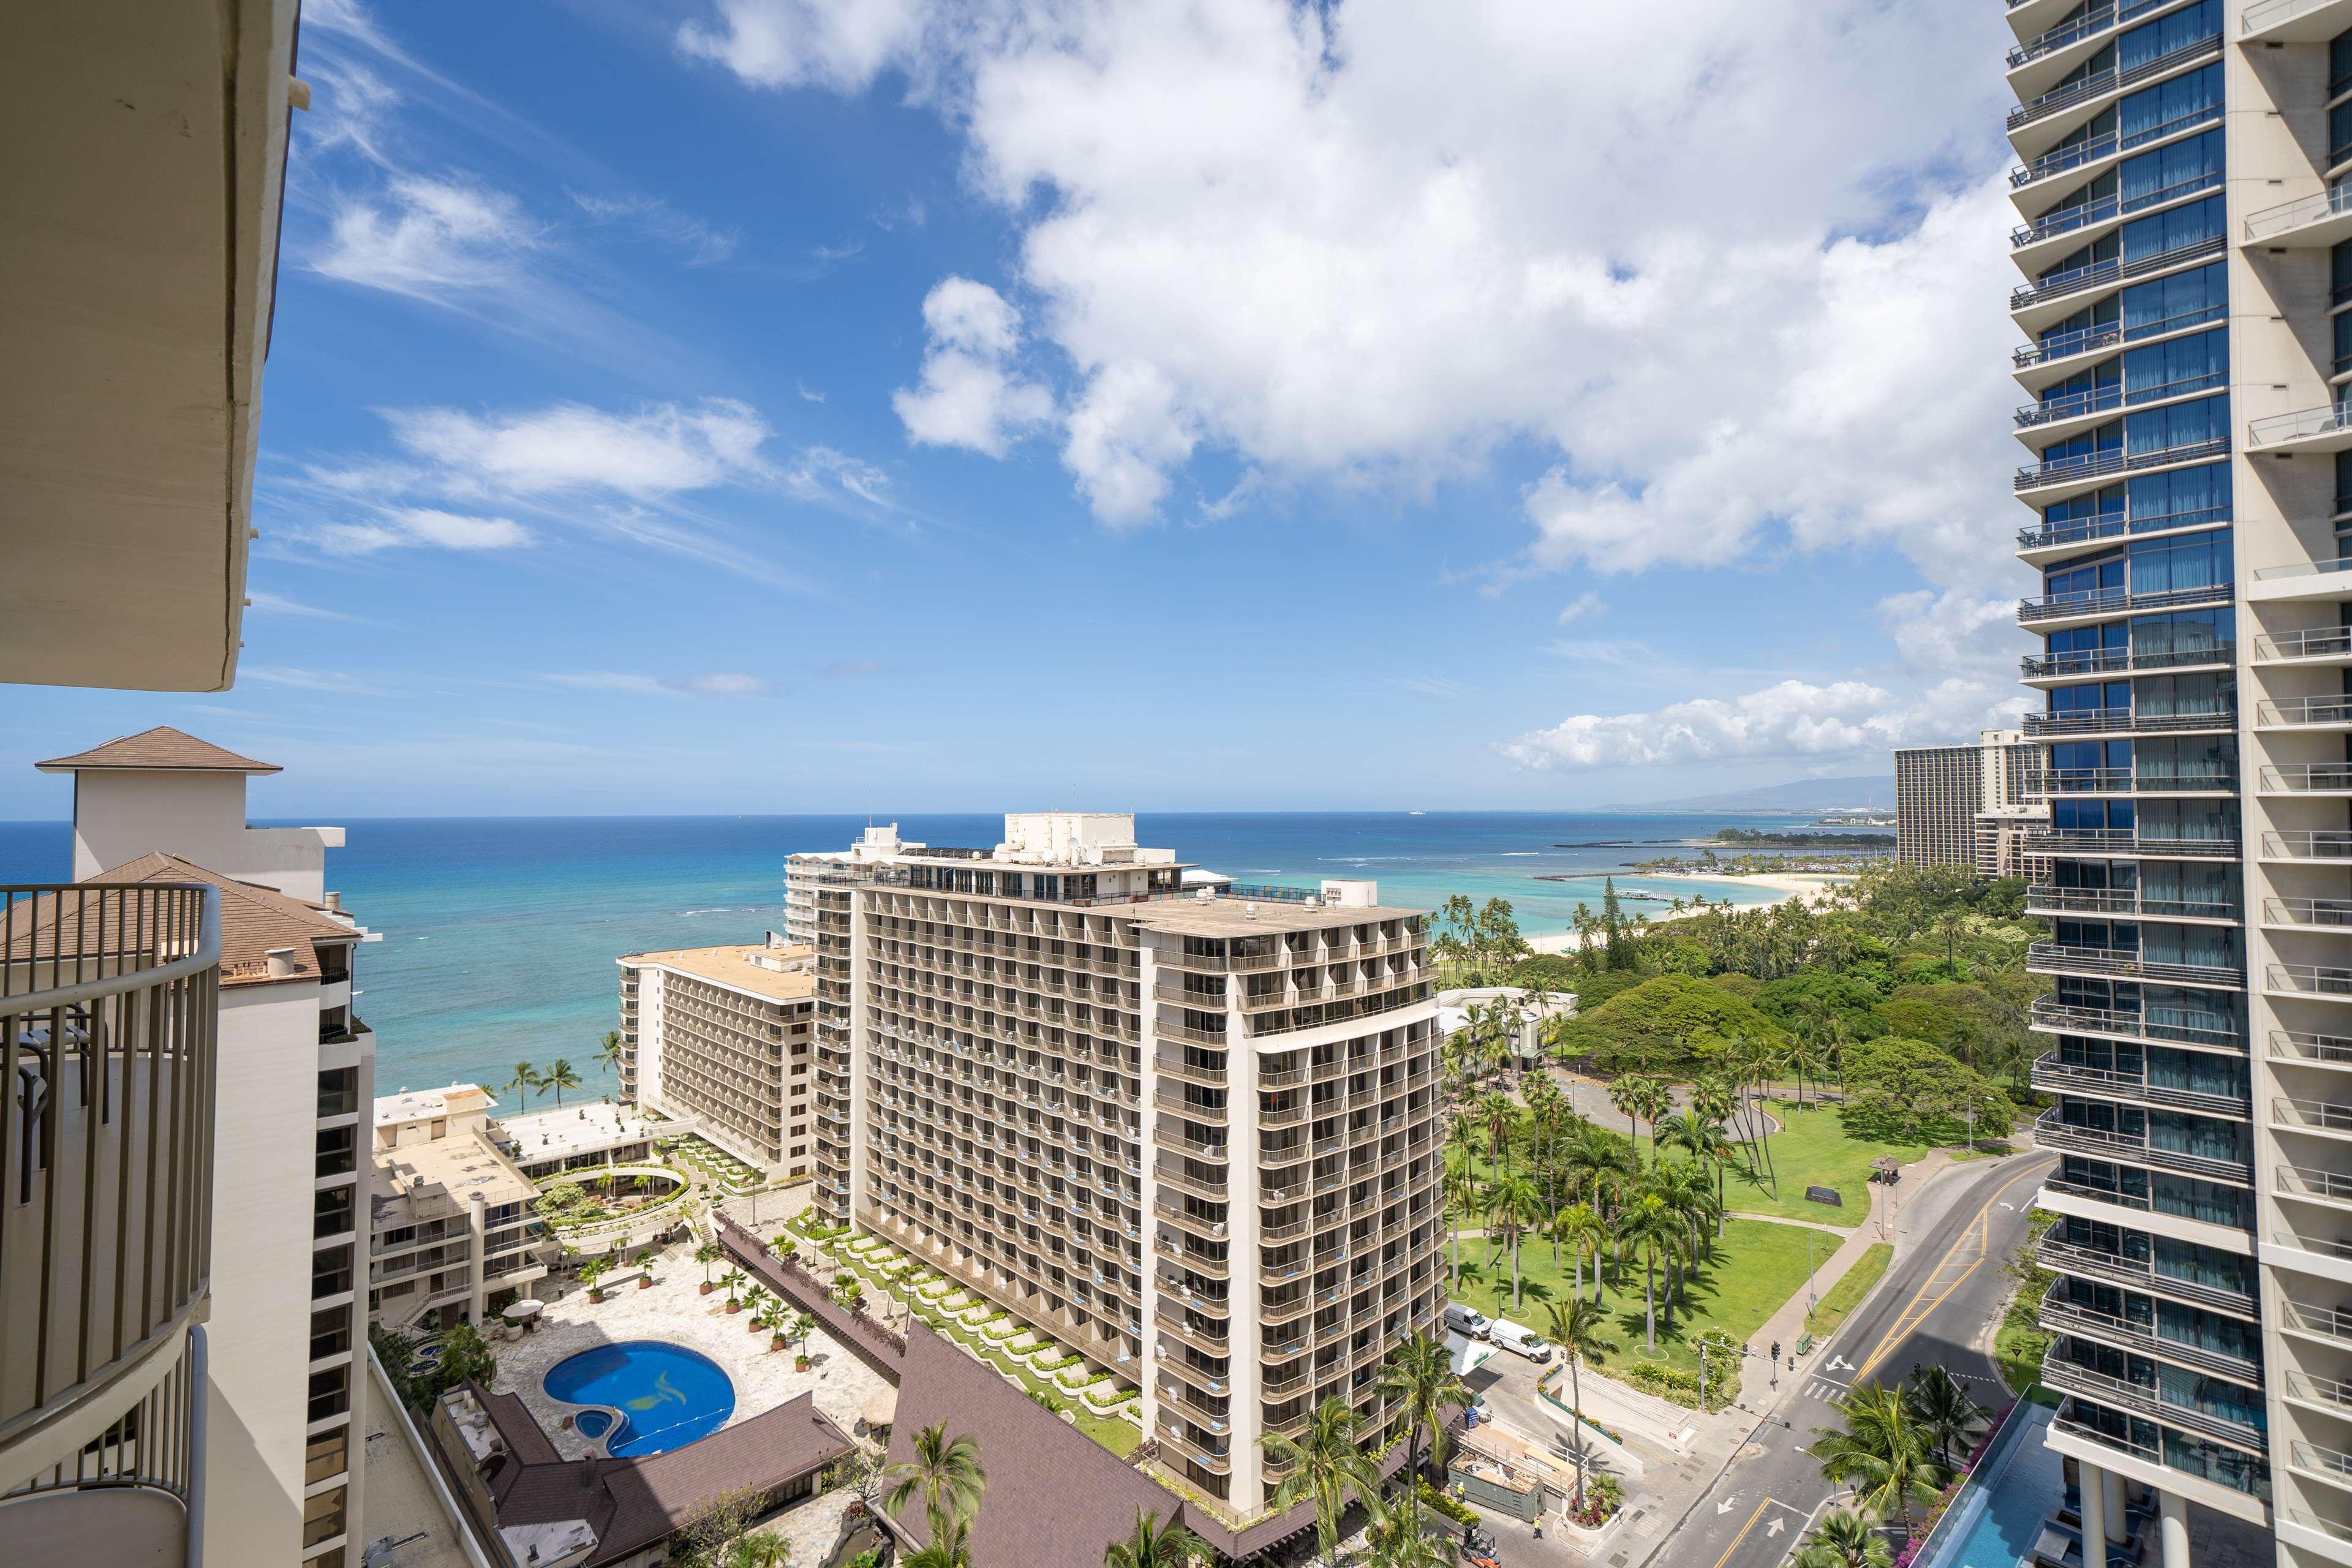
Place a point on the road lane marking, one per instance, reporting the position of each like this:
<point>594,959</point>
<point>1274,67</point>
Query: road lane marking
<point>1978,1229</point>
<point>1743,1532</point>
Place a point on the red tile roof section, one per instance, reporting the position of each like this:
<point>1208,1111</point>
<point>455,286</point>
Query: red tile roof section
<point>161,747</point>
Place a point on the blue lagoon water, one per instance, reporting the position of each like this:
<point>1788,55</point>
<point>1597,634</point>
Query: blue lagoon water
<point>499,933</point>
<point>668,1395</point>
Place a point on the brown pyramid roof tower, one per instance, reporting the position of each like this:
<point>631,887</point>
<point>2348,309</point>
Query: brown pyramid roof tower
<point>161,747</point>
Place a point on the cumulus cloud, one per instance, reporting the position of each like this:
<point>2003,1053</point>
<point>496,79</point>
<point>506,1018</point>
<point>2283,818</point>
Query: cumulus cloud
<point>1790,718</point>
<point>969,395</point>
<point>800,42</point>
<point>659,449</point>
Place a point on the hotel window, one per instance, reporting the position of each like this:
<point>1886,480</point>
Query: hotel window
<point>331,1272</point>
<point>331,1211</point>
<point>337,1149</point>
<point>339,1092</point>
<point>322,1517</point>
<point>327,1454</point>
<point>330,1394</point>
<point>331,1334</point>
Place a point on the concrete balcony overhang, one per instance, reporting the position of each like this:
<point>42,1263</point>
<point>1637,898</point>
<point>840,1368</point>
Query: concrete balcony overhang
<point>2045,241</point>
<point>2042,59</point>
<point>2040,123</point>
<point>2149,1470</point>
<point>2062,479</point>
<point>2057,611</point>
<point>2313,582</point>
<point>140,263</point>
<point>2314,222</point>
<point>2293,21</point>
<point>2325,429</point>
<point>2072,669</point>
<point>2038,187</point>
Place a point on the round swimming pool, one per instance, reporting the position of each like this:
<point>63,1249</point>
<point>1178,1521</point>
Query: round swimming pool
<point>668,1395</point>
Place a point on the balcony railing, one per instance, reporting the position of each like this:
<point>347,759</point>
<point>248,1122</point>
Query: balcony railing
<point>2324,843</point>
<point>2309,1182</point>
<point>2285,711</point>
<point>2125,841</point>
<point>2295,214</point>
<point>108,1004</point>
<point>2310,1049</point>
<point>2123,661</point>
<point>2043,897</point>
<point>2084,214</point>
<point>2117,460</point>
<point>2077,1078</point>
<point>2050,1131</point>
<point>2098,84</point>
<point>2301,778</point>
<point>2125,780</point>
<point>2143,1399</point>
<point>2058,606</point>
<point>2310,979</point>
<point>2100,274</point>
<point>2048,1013</point>
<point>2326,420</point>
<point>2324,642</point>
<point>2064,1316</point>
<point>2111,720</point>
<point>2071,960</point>
<point>2139,1273</point>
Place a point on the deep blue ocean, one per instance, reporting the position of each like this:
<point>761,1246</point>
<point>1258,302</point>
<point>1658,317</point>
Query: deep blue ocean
<point>499,933</point>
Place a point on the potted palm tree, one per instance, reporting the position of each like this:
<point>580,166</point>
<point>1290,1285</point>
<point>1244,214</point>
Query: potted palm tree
<point>709,1253</point>
<point>645,1262</point>
<point>732,1280</point>
<point>755,1301</point>
<point>779,1325</point>
<point>803,1325</point>
<point>590,1272</point>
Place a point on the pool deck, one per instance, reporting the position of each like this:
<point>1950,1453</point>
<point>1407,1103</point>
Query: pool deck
<point>674,1311</point>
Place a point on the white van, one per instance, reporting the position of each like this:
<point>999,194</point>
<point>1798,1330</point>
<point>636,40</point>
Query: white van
<point>1522,1341</point>
<point>1467,1322</point>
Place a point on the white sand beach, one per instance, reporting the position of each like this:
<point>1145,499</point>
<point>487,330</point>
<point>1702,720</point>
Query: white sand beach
<point>1793,885</point>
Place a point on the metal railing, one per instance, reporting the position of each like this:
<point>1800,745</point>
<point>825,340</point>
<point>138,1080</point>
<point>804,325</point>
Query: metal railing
<point>2271,13</point>
<point>2056,607</point>
<point>2098,84</point>
<point>2325,420</point>
<point>2322,843</point>
<point>2143,1399</point>
<point>107,1011</point>
<point>2310,979</point>
<point>2117,460</point>
<point>2278,713</point>
<point>2305,1182</point>
<point>2099,721</point>
<point>2306,778</point>
<point>2061,1315</point>
<point>2140,1272</point>
<point>2105,209</point>
<point>2052,1073</point>
<point>2125,841</point>
<point>2048,1014</point>
<point>2074,960</point>
<point>2324,642</point>
<point>2100,274</point>
<point>2293,215</point>
<point>2309,1048</point>
<point>155,1445</point>
<point>2042,897</point>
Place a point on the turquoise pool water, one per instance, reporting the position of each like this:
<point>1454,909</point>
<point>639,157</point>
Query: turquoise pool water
<point>668,1395</point>
<point>1996,1523</point>
<point>592,1423</point>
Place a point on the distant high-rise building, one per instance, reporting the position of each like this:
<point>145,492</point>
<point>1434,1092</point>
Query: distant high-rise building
<point>720,1038</point>
<point>1190,1131</point>
<point>1966,805</point>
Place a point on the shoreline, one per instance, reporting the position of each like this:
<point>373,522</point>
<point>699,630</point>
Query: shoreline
<point>1785,885</point>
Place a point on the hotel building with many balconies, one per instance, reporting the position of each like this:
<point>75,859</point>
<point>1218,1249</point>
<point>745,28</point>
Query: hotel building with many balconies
<point>1191,1133</point>
<point>718,1038</point>
<point>2187,247</point>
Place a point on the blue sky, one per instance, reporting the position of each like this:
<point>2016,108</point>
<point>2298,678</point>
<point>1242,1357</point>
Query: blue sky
<point>760,406</point>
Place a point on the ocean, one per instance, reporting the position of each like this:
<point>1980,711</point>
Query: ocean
<point>499,933</point>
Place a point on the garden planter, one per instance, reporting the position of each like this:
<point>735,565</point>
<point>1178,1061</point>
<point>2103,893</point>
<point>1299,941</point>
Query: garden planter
<point>704,1289</point>
<point>776,1344</point>
<point>644,1281</point>
<point>596,1294</point>
<point>800,1363</point>
<point>733,1308</point>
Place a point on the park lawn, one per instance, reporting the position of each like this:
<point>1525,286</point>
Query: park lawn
<point>1847,1293</point>
<point>1756,1268</point>
<point>1813,1149</point>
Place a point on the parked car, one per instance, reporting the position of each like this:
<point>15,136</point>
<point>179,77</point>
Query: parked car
<point>1467,1322</point>
<point>1520,1339</point>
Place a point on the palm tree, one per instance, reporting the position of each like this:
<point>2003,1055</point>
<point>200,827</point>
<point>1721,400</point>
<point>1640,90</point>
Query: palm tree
<point>1394,1537</point>
<point>1518,1208</point>
<point>946,1472</point>
<point>1418,1375</point>
<point>1579,1329</point>
<point>1581,1227</point>
<point>596,1269</point>
<point>731,1281</point>
<point>760,1548</point>
<point>1880,1452</point>
<point>755,1301</point>
<point>1703,1141</point>
<point>949,1546</point>
<point>709,1253</point>
<point>1649,1226</point>
<point>1949,925</point>
<point>609,1051</point>
<point>525,1079</point>
<point>1155,1545</point>
<point>1846,1539</point>
<point>1324,1463</point>
<point>1499,1113</point>
<point>1943,1410</point>
<point>560,1075</point>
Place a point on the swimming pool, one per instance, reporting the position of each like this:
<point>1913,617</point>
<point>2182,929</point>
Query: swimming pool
<point>668,1395</point>
<point>1999,1519</point>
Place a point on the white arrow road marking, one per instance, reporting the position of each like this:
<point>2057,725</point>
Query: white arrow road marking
<point>2009,1207</point>
<point>1727,1505</point>
<point>1839,1363</point>
<point>1773,1529</point>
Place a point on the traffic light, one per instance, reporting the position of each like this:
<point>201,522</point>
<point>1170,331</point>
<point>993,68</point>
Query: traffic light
<point>1775,1349</point>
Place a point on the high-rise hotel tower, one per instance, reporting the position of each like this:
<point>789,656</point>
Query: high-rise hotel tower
<point>2186,249</point>
<point>1191,1133</point>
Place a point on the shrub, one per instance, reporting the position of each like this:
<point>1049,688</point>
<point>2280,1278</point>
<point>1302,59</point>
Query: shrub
<point>1460,1512</point>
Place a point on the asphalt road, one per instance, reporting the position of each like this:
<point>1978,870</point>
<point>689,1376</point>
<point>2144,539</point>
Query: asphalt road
<point>1936,1308</point>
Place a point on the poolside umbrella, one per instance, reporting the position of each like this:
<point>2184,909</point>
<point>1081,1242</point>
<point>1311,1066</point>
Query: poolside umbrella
<point>881,1407</point>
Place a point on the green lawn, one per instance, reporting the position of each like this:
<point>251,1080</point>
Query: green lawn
<point>1847,1293</point>
<point>1756,1269</point>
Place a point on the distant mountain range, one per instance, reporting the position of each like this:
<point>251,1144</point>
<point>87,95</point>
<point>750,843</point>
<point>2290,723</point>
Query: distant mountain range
<point>1802,796</point>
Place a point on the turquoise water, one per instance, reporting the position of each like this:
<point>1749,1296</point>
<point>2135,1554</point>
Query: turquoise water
<point>499,933</point>
<point>2012,1492</point>
<point>668,1395</point>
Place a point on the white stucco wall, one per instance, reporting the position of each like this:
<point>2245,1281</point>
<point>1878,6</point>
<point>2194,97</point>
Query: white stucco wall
<point>263,1178</point>
<point>120,816</point>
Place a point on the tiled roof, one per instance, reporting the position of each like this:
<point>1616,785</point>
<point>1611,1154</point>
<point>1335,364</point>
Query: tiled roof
<point>161,747</point>
<point>633,1503</point>
<point>254,920</point>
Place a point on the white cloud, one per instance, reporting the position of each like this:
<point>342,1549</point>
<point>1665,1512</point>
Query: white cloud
<point>801,43</point>
<point>279,604</point>
<point>969,396</point>
<point>425,237</point>
<point>399,526</point>
<point>715,684</point>
<point>1792,719</point>
<point>703,242</point>
<point>1588,603</point>
<point>657,450</point>
<point>1752,289</point>
<point>822,474</point>
<point>306,679</point>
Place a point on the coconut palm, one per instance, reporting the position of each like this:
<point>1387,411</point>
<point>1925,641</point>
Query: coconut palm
<point>731,1282</point>
<point>709,1253</point>
<point>1418,1375</point>
<point>525,1079</point>
<point>1650,1226</point>
<point>1944,1411</point>
<point>1393,1537</point>
<point>1498,1113</point>
<point>1846,1539</point>
<point>1581,1227</point>
<point>950,1547</point>
<point>1580,1331</point>
<point>760,1548</point>
<point>1704,1141</point>
<point>560,1075</point>
<point>609,1051</point>
<point>1517,1207</point>
<point>1324,1462</point>
<point>1155,1545</point>
<point>945,1472</point>
<point>1880,1452</point>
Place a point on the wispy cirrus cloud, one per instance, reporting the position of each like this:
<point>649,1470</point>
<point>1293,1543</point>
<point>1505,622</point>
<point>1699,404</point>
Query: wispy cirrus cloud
<point>716,683</point>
